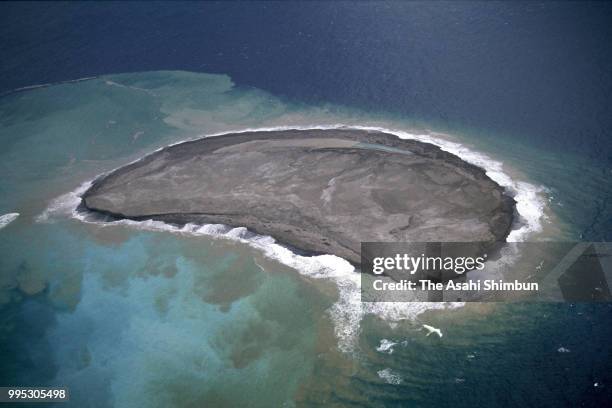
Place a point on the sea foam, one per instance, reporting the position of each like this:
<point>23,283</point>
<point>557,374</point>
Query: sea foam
<point>6,219</point>
<point>389,376</point>
<point>348,311</point>
<point>386,346</point>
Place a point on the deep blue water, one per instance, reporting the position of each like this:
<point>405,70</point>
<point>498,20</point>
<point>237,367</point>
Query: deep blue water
<point>535,71</point>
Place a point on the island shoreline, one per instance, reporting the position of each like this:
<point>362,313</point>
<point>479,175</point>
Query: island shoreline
<point>206,145</point>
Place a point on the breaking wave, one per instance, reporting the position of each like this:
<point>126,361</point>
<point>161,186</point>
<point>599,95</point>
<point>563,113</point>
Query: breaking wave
<point>6,219</point>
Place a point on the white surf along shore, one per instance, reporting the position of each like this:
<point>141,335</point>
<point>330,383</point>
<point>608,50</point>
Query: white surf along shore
<point>6,219</point>
<point>348,310</point>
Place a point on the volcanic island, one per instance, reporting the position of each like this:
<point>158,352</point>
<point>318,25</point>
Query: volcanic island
<point>321,191</point>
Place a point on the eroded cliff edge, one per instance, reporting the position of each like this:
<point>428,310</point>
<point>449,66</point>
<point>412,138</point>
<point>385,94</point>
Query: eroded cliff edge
<point>321,191</point>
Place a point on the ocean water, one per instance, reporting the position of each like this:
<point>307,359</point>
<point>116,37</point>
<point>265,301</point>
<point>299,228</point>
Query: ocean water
<point>534,72</point>
<point>145,314</point>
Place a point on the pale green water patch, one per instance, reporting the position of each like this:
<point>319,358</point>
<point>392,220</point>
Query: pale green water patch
<point>374,146</point>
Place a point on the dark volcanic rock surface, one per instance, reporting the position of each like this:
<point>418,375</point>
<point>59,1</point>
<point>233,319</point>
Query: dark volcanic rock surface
<point>322,191</point>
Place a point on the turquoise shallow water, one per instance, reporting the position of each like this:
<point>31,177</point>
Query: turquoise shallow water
<point>113,313</point>
<point>127,317</point>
